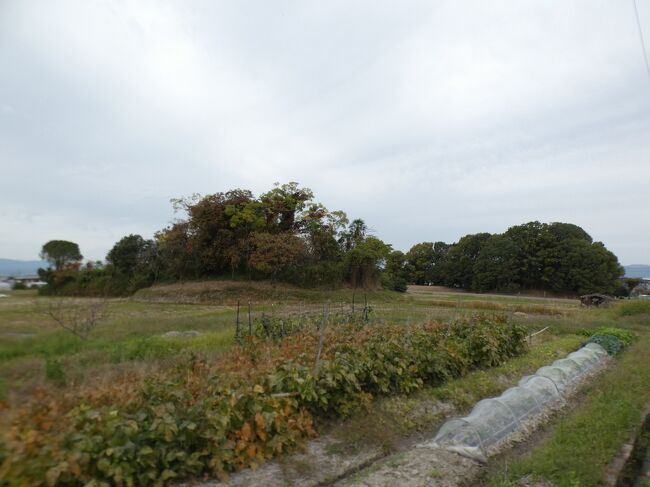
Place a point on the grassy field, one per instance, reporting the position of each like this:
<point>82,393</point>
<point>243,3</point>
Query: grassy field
<point>36,354</point>
<point>133,330</point>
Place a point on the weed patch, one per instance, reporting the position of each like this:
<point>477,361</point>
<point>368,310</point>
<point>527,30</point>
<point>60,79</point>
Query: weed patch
<point>54,373</point>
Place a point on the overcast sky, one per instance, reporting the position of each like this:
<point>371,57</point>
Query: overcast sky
<point>428,119</point>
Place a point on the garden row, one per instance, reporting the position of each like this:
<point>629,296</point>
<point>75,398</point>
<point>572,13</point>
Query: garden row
<point>259,400</point>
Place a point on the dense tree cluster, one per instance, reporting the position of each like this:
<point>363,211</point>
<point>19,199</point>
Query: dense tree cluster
<point>558,257</point>
<point>284,235</point>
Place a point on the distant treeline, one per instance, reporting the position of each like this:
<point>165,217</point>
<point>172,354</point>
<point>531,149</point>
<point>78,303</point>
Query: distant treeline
<point>557,257</point>
<point>283,235</point>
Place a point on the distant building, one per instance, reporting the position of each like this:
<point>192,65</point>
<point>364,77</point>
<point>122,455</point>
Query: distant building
<point>29,281</point>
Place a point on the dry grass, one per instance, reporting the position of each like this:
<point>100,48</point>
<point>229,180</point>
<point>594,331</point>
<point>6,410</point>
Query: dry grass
<point>540,309</point>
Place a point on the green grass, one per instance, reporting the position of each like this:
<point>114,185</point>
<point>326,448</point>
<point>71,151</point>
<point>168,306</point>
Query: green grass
<point>463,393</point>
<point>585,442</point>
<point>632,308</point>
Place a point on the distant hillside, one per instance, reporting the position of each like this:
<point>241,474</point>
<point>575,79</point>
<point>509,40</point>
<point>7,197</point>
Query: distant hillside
<point>10,267</point>
<point>637,270</point>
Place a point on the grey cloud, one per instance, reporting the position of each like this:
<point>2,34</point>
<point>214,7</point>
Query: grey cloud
<point>428,119</point>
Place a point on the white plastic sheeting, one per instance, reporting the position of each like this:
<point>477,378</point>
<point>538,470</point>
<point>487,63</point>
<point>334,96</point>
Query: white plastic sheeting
<point>493,420</point>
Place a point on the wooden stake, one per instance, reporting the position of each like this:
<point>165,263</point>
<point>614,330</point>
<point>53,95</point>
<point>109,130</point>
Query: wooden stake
<point>237,331</point>
<point>250,323</point>
<point>321,337</point>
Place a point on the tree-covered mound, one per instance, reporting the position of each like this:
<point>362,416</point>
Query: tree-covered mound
<point>285,235</point>
<point>558,257</point>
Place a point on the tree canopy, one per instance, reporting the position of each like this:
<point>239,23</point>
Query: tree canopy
<point>285,235</point>
<point>59,253</point>
<point>558,257</point>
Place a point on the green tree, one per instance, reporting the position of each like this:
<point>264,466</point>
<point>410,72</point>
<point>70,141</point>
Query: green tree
<point>421,261</point>
<point>458,267</point>
<point>354,235</point>
<point>530,238</point>
<point>567,231</point>
<point>496,267</point>
<point>631,282</point>
<point>214,238</point>
<point>130,255</point>
<point>60,253</point>
<point>365,262</point>
<point>396,272</point>
<point>283,204</point>
<point>440,251</point>
<point>577,266</point>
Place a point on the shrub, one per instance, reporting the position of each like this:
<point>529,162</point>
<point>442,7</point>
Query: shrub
<point>19,286</point>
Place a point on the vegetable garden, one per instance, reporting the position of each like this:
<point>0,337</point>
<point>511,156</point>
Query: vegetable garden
<point>259,400</point>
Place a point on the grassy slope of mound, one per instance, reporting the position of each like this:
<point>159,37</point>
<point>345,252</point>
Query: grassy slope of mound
<point>229,292</point>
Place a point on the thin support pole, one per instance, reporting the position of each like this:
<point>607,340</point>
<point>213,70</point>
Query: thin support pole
<point>321,337</point>
<point>250,322</point>
<point>237,330</point>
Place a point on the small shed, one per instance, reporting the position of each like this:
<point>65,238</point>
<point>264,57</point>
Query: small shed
<point>595,300</point>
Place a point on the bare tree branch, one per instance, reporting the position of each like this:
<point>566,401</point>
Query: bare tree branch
<point>79,318</point>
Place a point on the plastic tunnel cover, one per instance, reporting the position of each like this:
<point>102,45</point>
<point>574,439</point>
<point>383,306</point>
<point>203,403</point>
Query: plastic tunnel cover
<point>522,402</point>
<point>458,432</point>
<point>556,374</point>
<point>492,420</point>
<point>585,360</point>
<point>593,355</point>
<point>543,387</point>
<point>571,367</point>
<point>596,348</point>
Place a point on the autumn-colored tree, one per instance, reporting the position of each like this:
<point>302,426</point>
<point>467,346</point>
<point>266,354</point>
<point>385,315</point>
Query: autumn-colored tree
<point>274,253</point>
<point>282,206</point>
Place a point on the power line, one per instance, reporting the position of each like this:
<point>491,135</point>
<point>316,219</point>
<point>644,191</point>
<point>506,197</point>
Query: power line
<point>645,53</point>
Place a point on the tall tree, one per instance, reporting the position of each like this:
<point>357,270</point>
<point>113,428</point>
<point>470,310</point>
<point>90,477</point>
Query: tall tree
<point>530,239</point>
<point>396,273</point>
<point>131,255</point>
<point>458,267</point>
<point>496,267</point>
<point>60,253</point>
<point>421,261</point>
<point>365,262</point>
<point>282,204</point>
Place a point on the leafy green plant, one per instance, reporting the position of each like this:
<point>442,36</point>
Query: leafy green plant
<point>625,336</point>
<point>612,344</point>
